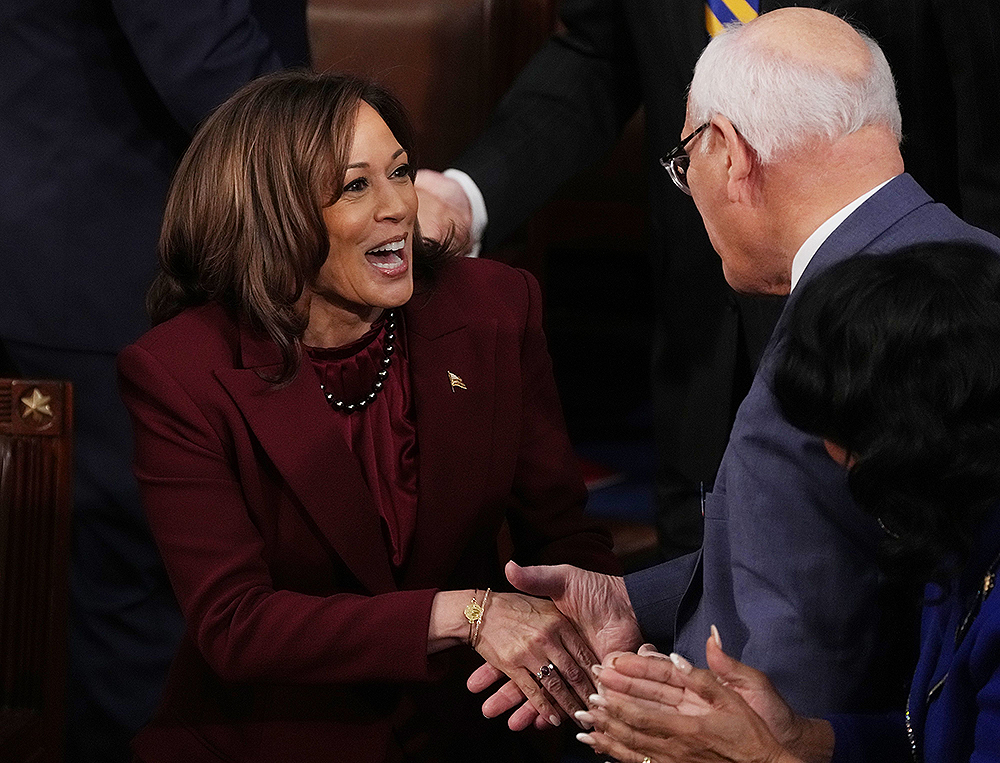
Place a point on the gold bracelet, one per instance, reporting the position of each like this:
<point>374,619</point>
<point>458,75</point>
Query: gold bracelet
<point>479,620</point>
<point>474,614</point>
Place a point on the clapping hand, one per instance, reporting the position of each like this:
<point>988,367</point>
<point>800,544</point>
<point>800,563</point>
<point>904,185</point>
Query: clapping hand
<point>654,708</point>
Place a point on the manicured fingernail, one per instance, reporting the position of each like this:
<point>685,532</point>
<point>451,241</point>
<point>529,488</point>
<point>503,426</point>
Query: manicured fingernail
<point>717,637</point>
<point>680,663</point>
<point>586,739</point>
<point>597,700</point>
<point>596,669</point>
<point>584,717</point>
<point>611,657</point>
<point>554,720</point>
<point>648,650</point>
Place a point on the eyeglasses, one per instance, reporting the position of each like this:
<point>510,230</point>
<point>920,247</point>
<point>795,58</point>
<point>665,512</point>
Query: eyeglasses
<point>676,163</point>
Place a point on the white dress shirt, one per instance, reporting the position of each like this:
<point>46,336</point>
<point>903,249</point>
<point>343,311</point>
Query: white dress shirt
<point>819,236</point>
<point>478,204</point>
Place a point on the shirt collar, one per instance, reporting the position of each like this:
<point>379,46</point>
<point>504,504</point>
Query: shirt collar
<point>819,236</point>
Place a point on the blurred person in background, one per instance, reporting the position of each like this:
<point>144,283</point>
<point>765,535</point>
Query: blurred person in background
<point>97,102</point>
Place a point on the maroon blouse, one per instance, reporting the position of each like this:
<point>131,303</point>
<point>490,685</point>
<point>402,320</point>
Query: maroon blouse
<point>383,436</point>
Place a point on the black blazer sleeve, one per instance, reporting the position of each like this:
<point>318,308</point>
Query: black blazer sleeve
<point>562,115</point>
<point>196,52</point>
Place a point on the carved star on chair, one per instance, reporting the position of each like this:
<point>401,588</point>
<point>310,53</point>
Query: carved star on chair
<point>36,406</point>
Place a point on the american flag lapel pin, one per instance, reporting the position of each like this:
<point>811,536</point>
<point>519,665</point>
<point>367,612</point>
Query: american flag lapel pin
<point>456,381</point>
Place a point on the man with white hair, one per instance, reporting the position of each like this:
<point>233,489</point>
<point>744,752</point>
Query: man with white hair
<point>570,104</point>
<point>791,152</point>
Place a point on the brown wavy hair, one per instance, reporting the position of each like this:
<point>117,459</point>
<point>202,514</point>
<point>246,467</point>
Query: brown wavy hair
<point>243,225</point>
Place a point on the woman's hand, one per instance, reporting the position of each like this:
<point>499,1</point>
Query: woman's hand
<point>597,605</point>
<point>530,641</point>
<point>666,710</point>
<point>810,739</point>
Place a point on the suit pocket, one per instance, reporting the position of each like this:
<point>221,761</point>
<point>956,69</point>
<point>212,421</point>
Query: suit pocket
<point>715,506</point>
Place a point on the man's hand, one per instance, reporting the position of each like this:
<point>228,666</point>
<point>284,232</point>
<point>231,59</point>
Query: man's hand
<point>443,207</point>
<point>599,607</point>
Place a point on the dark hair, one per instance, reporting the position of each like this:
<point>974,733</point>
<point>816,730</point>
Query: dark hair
<point>243,224</point>
<point>896,358</point>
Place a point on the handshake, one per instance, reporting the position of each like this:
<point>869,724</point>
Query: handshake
<point>647,704</point>
<point>547,648</point>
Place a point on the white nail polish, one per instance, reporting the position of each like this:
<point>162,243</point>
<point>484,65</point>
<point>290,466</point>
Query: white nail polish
<point>597,699</point>
<point>648,650</point>
<point>585,738</point>
<point>717,637</point>
<point>680,663</point>
<point>583,716</point>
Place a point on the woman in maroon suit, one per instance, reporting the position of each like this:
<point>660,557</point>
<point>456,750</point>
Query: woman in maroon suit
<point>334,419</point>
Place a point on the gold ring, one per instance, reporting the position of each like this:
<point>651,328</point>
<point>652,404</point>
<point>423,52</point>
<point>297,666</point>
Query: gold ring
<point>647,759</point>
<point>544,671</point>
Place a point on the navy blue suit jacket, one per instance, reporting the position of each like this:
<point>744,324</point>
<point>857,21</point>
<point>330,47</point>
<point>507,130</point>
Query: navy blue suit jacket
<point>97,100</point>
<point>788,568</point>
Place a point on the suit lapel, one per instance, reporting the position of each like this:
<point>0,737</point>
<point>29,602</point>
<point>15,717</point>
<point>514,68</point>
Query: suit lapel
<point>879,213</point>
<point>296,430</point>
<point>454,430</point>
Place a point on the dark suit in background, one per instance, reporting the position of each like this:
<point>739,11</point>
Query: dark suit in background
<point>569,105</point>
<point>97,100</point>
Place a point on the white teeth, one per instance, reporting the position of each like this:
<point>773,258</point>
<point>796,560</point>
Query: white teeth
<point>388,264</point>
<point>392,246</point>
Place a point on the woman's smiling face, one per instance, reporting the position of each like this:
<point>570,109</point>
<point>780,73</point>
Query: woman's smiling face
<point>370,264</point>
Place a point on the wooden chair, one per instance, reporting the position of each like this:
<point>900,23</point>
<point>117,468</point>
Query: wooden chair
<point>35,502</point>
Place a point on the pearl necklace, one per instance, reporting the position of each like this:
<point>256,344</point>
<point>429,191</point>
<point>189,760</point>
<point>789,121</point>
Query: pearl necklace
<point>358,405</point>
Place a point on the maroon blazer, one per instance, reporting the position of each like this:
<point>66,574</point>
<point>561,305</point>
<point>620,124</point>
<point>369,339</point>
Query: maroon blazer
<point>301,640</point>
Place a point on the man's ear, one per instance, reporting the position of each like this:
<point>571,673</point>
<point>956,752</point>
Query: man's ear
<point>739,161</point>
